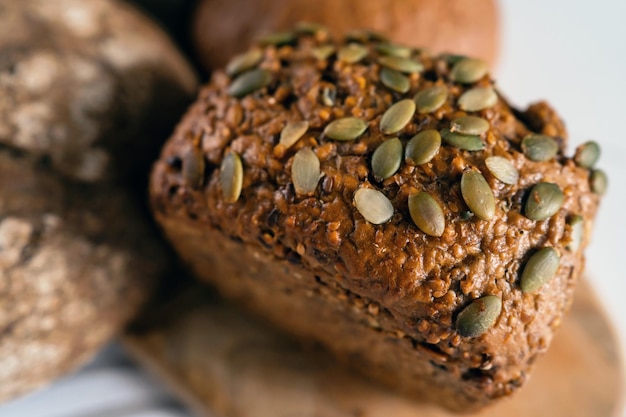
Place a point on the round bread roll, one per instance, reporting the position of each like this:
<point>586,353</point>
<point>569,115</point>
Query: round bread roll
<point>224,27</point>
<point>76,262</point>
<point>92,85</point>
<point>88,92</point>
<point>386,203</point>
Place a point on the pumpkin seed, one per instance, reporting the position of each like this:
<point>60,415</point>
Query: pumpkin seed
<point>329,95</point>
<point>323,52</point>
<point>539,147</point>
<point>244,62</point>
<point>363,35</point>
<point>392,49</point>
<point>347,128</point>
<point>310,28</point>
<point>423,147</point>
<point>478,98</point>
<point>427,214</point>
<point>249,82</point>
<point>540,269</point>
<point>373,205</point>
<point>397,116</point>
<point>464,142</point>
<point>352,53</point>
<point>502,169</point>
<point>395,80</point>
<point>469,125</point>
<point>231,177</point>
<point>577,223</point>
<point>587,154</point>
<point>479,316</point>
<point>292,132</point>
<point>431,98</point>
<point>468,70</point>
<point>478,195</point>
<point>406,65</point>
<point>193,167</point>
<point>599,182</point>
<point>544,201</point>
<point>277,38</point>
<point>386,159</point>
<point>305,171</point>
<point>452,59</point>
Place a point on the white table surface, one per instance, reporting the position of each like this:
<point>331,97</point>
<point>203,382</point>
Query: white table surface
<point>570,52</point>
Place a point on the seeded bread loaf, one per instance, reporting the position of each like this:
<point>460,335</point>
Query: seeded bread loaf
<point>387,204</point>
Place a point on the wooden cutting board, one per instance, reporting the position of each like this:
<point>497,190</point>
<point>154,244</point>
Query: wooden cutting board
<point>224,363</point>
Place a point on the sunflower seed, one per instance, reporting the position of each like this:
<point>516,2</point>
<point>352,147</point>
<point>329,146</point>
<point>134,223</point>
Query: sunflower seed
<point>431,98</point>
<point>292,132</point>
<point>577,223</point>
<point>502,169</point>
<point>587,154</point>
<point>599,182</point>
<point>540,269</point>
<point>277,38</point>
<point>348,128</point>
<point>249,82</point>
<point>397,116</point>
<point>352,53</point>
<point>479,316</point>
<point>392,49</point>
<point>193,167</point>
<point>305,171</point>
<point>406,65</point>
<point>395,80</point>
<point>464,142</point>
<point>468,70</point>
<point>231,177</point>
<point>478,195</point>
<point>539,147</point>
<point>469,125</point>
<point>427,214</point>
<point>544,201</point>
<point>244,62</point>
<point>373,205</point>
<point>386,159</point>
<point>423,147</point>
<point>323,52</point>
<point>478,98</point>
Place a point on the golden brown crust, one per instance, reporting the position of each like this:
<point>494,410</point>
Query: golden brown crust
<point>422,282</point>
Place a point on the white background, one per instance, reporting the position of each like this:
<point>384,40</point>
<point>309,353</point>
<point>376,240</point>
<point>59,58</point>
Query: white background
<point>572,53</point>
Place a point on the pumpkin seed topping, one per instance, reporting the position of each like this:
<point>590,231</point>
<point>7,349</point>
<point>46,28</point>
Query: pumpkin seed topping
<point>468,70</point>
<point>427,214</point>
<point>352,53</point>
<point>292,132</point>
<point>464,142</point>
<point>502,169</point>
<point>231,177</point>
<point>322,52</point>
<point>397,116</point>
<point>469,125</point>
<point>347,128</point>
<point>305,171</point>
<point>599,182</point>
<point>544,201</point>
<point>577,223</point>
<point>423,147</point>
<point>394,80</point>
<point>478,98</point>
<point>478,195</point>
<point>392,49</point>
<point>540,269</point>
<point>277,38</point>
<point>373,205</point>
<point>539,148</point>
<point>244,62</point>
<point>431,98</point>
<point>249,82</point>
<point>406,65</point>
<point>386,159</point>
<point>479,316</point>
<point>587,154</point>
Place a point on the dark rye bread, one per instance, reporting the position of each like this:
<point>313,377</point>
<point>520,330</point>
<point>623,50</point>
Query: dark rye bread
<point>384,298</point>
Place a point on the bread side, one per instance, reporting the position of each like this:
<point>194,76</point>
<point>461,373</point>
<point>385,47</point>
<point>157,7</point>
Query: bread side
<point>416,283</point>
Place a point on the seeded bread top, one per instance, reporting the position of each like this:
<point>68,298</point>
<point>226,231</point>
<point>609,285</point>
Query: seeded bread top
<point>405,176</point>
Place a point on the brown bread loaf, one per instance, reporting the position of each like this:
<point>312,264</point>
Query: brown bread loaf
<point>224,27</point>
<point>88,92</point>
<point>386,203</point>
